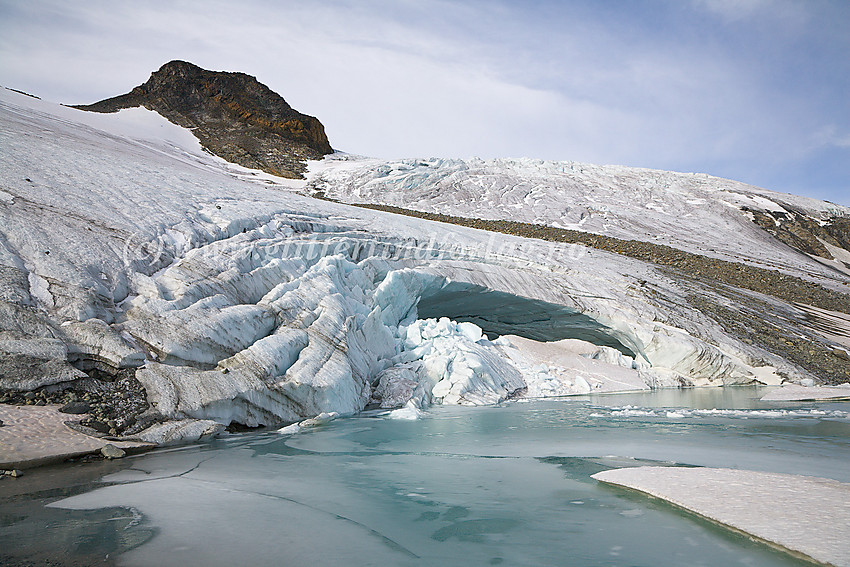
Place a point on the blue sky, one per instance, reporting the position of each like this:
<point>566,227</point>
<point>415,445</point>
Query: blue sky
<point>753,90</point>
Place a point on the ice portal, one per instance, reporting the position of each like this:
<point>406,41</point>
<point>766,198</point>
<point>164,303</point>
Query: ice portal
<point>500,313</point>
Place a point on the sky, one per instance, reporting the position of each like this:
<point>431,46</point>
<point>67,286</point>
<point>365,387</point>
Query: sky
<point>752,90</point>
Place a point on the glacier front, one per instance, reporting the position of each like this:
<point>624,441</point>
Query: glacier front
<point>123,245</point>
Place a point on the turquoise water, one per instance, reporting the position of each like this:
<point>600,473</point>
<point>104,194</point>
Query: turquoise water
<point>506,485</point>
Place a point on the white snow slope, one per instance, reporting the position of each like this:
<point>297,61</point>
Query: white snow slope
<point>693,212</point>
<point>123,243</point>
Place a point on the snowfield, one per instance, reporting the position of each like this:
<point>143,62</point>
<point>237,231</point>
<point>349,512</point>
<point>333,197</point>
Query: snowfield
<point>123,243</point>
<point>694,212</point>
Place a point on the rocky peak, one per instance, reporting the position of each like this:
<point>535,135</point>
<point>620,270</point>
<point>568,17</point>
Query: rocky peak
<point>233,115</point>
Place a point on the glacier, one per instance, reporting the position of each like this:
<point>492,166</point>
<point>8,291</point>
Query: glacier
<point>694,212</point>
<point>239,298</point>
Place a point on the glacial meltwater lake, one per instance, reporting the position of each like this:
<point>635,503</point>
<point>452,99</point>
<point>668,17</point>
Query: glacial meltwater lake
<point>499,485</point>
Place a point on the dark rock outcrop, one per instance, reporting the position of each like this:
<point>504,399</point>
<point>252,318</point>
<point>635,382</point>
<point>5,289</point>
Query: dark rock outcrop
<point>804,233</point>
<point>233,115</point>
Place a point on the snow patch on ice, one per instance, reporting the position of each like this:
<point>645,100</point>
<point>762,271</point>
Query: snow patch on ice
<point>40,290</point>
<point>807,515</point>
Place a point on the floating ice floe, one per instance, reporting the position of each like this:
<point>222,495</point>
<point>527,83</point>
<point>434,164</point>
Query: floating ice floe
<point>320,419</point>
<point>409,412</point>
<point>687,413</point>
<point>806,515</point>
<point>807,392</point>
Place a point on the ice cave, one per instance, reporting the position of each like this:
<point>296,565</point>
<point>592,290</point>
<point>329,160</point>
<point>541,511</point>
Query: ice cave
<point>499,313</point>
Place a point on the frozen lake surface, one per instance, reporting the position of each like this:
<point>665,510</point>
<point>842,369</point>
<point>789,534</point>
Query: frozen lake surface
<point>506,484</point>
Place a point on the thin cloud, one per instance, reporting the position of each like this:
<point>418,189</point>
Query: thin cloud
<point>739,10</point>
<point>656,84</point>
